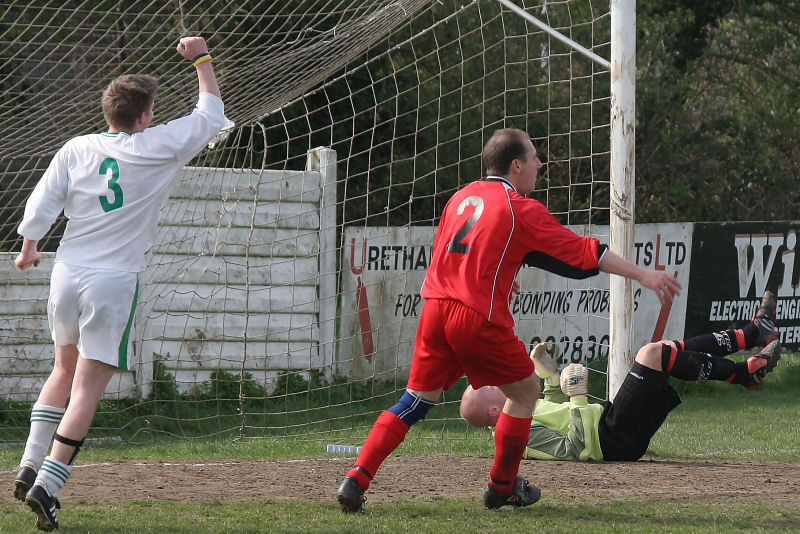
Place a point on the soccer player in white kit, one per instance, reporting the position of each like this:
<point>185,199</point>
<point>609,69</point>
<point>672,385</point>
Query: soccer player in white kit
<point>111,186</point>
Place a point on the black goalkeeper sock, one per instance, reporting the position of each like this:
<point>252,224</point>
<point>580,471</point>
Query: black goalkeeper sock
<point>696,366</point>
<point>751,336</point>
<point>721,343</point>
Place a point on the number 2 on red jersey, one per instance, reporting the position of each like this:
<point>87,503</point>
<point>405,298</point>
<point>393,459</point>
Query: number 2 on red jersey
<point>455,245</point>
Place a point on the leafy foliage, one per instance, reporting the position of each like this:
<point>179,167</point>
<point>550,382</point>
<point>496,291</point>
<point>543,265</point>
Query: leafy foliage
<point>717,110</point>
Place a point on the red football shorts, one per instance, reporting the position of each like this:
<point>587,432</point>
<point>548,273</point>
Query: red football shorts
<point>453,339</point>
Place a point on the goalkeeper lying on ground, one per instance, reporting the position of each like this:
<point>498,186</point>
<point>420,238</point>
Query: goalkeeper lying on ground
<point>574,429</point>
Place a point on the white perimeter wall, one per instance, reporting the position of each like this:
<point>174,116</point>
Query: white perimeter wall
<point>241,278</point>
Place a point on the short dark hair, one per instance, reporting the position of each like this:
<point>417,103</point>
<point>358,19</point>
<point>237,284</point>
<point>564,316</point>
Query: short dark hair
<point>505,146</point>
<point>127,97</point>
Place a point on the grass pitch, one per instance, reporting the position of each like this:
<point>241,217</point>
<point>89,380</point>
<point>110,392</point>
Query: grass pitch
<point>715,421</point>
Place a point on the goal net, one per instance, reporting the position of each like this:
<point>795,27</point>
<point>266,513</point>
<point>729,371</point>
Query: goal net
<point>282,293</point>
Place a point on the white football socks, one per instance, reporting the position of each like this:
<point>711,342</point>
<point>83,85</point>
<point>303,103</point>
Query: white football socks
<point>44,421</point>
<point>53,475</point>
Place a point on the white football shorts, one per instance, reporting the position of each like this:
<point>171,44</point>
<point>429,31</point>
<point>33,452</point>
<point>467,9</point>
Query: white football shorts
<point>93,309</point>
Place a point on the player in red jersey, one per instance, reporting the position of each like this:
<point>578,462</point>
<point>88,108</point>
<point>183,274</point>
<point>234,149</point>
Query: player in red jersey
<point>487,231</point>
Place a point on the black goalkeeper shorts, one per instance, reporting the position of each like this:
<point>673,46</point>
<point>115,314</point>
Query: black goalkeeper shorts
<point>629,422</point>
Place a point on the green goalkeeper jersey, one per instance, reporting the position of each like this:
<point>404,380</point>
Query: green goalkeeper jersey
<point>564,429</point>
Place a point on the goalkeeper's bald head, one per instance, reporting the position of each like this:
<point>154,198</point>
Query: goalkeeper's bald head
<point>481,407</point>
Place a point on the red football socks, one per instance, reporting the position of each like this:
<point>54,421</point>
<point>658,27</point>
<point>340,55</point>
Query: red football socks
<point>510,438</point>
<point>386,435</point>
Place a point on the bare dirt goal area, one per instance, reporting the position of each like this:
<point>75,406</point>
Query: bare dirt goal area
<point>423,478</point>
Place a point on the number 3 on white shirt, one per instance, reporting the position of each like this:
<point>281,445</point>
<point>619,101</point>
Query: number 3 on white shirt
<point>110,164</point>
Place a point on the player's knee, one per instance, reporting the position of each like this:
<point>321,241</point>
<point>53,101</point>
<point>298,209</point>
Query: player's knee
<point>411,408</point>
<point>650,355</point>
<point>523,393</point>
<point>63,370</point>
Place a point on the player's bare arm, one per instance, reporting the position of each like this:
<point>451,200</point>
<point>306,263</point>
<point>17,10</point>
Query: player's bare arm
<point>663,284</point>
<point>196,50</point>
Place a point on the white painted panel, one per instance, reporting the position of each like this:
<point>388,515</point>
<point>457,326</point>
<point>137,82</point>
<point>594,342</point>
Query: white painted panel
<point>15,329</point>
<point>228,270</point>
<point>26,388</point>
<point>214,298</point>
<point>229,326</point>
<point>227,241</point>
<point>390,263</point>
<point>232,184</point>
<point>213,213</point>
<point>27,358</point>
<point>34,275</point>
<point>203,354</point>
<point>23,299</point>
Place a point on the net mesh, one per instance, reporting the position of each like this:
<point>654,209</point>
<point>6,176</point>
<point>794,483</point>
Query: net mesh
<point>230,339</point>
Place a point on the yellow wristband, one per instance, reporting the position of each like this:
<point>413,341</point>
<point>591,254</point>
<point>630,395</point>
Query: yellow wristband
<point>202,59</point>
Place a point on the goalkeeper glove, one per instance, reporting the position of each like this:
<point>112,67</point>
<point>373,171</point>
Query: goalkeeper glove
<point>575,380</point>
<point>544,363</point>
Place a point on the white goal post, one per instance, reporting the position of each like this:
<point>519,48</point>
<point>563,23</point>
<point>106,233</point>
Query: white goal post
<point>623,192</point>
